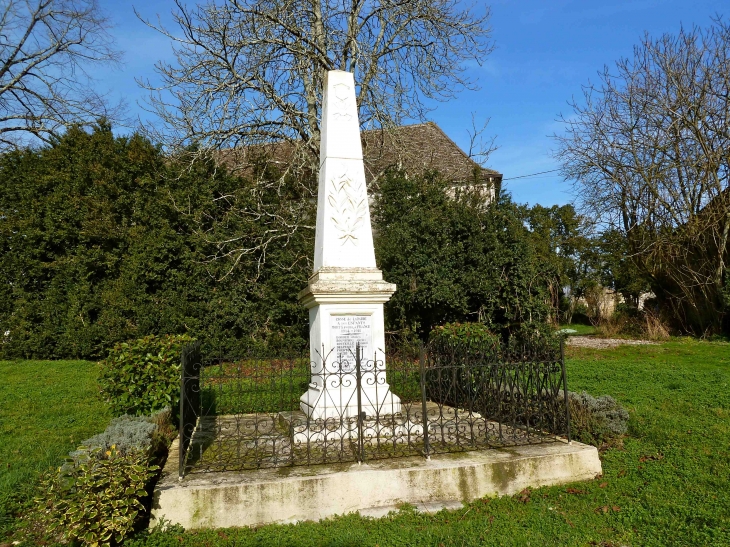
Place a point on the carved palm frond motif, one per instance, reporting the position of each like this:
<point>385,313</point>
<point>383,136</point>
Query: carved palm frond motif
<point>349,206</point>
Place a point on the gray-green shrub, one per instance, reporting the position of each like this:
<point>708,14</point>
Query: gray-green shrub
<point>126,433</point>
<point>596,420</point>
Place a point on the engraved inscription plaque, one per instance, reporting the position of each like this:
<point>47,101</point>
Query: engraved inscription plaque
<point>345,332</point>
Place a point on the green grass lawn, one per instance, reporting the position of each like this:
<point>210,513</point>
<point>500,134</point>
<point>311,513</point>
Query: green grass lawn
<point>47,408</point>
<point>669,485</point>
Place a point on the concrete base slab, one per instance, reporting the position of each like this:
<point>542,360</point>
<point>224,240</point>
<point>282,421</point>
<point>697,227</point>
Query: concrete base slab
<point>429,507</point>
<point>291,494</point>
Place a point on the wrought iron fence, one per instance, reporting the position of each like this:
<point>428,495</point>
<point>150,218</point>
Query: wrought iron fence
<point>190,407</point>
<point>245,413</point>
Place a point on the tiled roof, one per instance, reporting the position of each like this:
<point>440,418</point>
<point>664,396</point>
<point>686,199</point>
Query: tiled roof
<point>414,148</point>
<point>418,148</point>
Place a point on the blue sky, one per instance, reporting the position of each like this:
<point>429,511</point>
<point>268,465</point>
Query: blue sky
<point>545,51</point>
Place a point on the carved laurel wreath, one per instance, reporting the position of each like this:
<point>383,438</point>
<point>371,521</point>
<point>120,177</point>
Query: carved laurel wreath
<point>349,207</point>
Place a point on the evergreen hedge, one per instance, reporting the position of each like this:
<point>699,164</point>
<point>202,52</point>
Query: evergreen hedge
<point>96,248</point>
<point>100,243</point>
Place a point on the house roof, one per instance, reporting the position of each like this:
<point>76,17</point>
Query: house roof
<point>414,148</point>
<point>421,147</point>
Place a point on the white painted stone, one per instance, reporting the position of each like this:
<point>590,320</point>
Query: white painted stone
<point>346,283</point>
<point>254,498</point>
<point>332,391</point>
<point>340,124</point>
<point>344,236</point>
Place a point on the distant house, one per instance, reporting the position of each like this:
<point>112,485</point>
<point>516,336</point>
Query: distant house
<point>413,148</point>
<point>424,147</point>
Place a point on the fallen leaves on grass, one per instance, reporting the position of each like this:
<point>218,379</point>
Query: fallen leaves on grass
<point>605,509</point>
<point>525,495</point>
<point>567,520</point>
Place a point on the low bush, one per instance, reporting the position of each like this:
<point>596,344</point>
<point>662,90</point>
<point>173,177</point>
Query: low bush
<point>599,421</point>
<point>633,323</point>
<point>127,434</point>
<point>538,339</point>
<point>457,375</point>
<point>143,376</point>
<point>131,433</point>
<point>654,327</point>
<point>465,336</point>
<point>96,497</point>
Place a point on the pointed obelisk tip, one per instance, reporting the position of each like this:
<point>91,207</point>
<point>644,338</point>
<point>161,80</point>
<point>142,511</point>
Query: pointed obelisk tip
<point>343,237</point>
<point>340,125</point>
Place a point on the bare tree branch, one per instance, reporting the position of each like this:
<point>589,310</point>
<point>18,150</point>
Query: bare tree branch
<point>250,72</point>
<point>46,50</point>
<point>649,150</point>
<point>480,146</point>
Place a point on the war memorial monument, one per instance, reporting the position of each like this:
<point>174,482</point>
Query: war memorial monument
<point>311,460</point>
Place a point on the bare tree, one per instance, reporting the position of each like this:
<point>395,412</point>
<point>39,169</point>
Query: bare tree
<point>46,48</point>
<point>247,82</point>
<point>649,151</point>
<point>250,71</point>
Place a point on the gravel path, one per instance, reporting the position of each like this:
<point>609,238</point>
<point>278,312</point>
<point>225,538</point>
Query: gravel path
<point>604,343</point>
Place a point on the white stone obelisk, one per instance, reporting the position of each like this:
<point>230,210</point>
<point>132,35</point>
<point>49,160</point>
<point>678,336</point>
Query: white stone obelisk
<point>346,292</point>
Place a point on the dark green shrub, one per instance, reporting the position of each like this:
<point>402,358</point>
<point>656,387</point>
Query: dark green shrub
<point>143,376</point>
<point>96,497</point>
<point>455,259</point>
<point>95,250</point>
<point>467,363</point>
<point>538,341</point>
<point>465,336</point>
<point>597,421</point>
<point>452,349</point>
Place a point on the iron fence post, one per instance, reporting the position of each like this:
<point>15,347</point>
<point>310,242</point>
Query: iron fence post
<point>181,433</point>
<point>424,410</point>
<point>190,401</point>
<point>565,386</point>
<point>358,384</point>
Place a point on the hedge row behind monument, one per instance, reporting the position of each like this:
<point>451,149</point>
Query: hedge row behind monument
<point>100,244</point>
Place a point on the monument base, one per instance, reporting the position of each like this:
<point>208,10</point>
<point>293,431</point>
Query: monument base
<point>388,427</point>
<point>341,402</point>
<point>284,495</point>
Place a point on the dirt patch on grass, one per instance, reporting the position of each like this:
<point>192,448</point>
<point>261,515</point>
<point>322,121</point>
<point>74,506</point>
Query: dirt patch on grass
<point>604,343</point>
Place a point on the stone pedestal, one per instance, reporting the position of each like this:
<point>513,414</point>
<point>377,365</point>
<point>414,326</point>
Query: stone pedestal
<point>346,292</point>
<point>265,496</point>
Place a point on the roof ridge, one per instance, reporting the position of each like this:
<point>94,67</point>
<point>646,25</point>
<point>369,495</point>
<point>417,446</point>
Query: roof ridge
<point>429,122</point>
<point>449,139</point>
